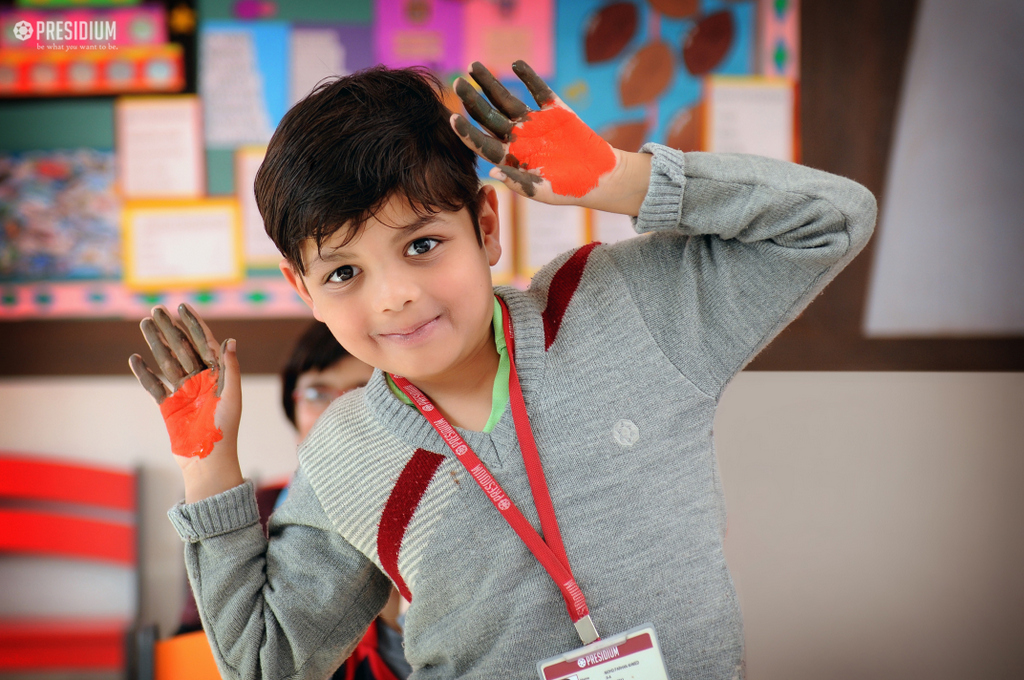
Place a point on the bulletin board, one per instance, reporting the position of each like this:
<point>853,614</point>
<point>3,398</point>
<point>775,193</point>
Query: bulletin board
<point>71,206</point>
<point>62,263</point>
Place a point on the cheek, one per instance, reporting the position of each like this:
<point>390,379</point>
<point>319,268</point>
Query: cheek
<point>305,417</point>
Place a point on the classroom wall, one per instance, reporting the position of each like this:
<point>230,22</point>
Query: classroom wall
<point>874,518</point>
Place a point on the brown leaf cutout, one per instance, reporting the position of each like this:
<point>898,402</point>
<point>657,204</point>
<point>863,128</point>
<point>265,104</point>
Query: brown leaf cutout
<point>686,129</point>
<point>626,136</point>
<point>708,42</point>
<point>609,31</point>
<point>677,9</point>
<point>646,74</point>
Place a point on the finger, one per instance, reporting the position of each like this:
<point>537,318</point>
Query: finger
<point>165,359</point>
<point>481,111</point>
<point>228,378</point>
<point>178,342</point>
<point>518,181</point>
<point>202,338</point>
<point>537,87</point>
<point>487,147</point>
<point>148,379</point>
<point>496,92</point>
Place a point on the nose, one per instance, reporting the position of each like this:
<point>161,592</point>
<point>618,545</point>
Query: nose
<point>395,289</point>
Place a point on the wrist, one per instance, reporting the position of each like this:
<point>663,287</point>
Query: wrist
<point>218,472</point>
<point>626,187</point>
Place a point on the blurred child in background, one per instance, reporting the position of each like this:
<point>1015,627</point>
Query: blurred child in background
<point>319,371</point>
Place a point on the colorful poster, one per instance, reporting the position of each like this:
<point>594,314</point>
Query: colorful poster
<point>634,73</point>
<point>420,32</point>
<point>243,80</point>
<point>79,72</point>
<point>82,28</point>
<point>59,216</point>
<point>322,51</point>
<point>160,146</point>
<point>498,33</point>
<point>174,244</point>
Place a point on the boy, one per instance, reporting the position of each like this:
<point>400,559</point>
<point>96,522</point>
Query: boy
<point>617,355</point>
<point>318,371</point>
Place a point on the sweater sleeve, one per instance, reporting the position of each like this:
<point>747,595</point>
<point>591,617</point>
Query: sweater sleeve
<point>738,246</point>
<point>288,607</point>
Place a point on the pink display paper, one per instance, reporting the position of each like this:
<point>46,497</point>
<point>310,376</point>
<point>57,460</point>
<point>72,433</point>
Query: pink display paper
<point>780,38</point>
<point>420,32</point>
<point>256,297</point>
<point>498,33</point>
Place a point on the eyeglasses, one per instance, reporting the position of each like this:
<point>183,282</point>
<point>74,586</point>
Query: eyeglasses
<point>317,394</point>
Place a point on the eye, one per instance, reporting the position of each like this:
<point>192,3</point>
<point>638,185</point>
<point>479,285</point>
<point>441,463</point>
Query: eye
<point>342,274</point>
<point>422,246</point>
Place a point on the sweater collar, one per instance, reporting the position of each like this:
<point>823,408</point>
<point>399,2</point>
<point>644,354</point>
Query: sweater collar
<point>409,425</point>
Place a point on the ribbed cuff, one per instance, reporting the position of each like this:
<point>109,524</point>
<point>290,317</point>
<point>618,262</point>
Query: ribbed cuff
<point>228,511</point>
<point>662,206</point>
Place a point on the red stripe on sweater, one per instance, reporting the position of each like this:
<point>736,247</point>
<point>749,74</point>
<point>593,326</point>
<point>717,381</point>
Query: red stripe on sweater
<point>399,509</point>
<point>561,290</point>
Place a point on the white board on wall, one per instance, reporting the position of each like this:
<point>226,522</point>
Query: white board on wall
<point>949,256</point>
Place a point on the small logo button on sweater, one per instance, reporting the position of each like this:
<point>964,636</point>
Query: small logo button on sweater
<point>625,433</point>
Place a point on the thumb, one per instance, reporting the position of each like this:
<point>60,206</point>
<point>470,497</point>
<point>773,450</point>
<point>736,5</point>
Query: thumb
<point>229,382</point>
<point>229,388</point>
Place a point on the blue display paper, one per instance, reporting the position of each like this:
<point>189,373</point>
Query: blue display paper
<point>272,59</point>
<point>591,90</point>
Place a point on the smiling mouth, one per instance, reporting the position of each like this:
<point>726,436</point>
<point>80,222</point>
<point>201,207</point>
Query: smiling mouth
<point>411,333</point>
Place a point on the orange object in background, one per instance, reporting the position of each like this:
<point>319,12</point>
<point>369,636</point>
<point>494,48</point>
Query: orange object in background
<point>158,68</point>
<point>74,513</point>
<point>184,657</point>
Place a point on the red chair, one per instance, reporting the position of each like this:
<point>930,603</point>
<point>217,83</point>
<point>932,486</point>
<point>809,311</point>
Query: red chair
<point>68,511</point>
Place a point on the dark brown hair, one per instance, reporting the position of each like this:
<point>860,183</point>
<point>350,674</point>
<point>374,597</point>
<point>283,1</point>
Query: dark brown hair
<point>316,350</point>
<point>342,152</point>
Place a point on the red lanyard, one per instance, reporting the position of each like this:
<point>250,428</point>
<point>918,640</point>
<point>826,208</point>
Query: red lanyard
<point>549,551</point>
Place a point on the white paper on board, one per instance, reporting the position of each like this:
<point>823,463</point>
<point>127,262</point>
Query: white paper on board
<point>949,250</point>
<point>159,147</point>
<point>316,54</point>
<point>611,227</point>
<point>549,231</point>
<point>184,245</point>
<point>751,115</point>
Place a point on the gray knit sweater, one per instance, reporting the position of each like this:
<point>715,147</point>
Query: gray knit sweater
<point>623,352</point>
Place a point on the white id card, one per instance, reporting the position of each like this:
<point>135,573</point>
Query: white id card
<point>633,655</point>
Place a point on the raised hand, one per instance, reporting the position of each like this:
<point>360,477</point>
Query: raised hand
<point>548,154</point>
<point>203,405</point>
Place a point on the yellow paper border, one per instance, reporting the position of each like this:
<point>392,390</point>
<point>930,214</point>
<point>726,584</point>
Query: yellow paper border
<point>132,209</point>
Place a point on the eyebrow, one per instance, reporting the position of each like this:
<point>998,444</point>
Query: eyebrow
<point>328,254</point>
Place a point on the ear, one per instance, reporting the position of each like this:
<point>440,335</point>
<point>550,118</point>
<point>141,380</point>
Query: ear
<point>294,278</point>
<point>487,217</point>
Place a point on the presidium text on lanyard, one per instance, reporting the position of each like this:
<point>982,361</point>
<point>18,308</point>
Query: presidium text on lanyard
<point>549,551</point>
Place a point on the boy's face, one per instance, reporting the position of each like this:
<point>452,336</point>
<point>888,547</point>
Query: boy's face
<point>408,295</point>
